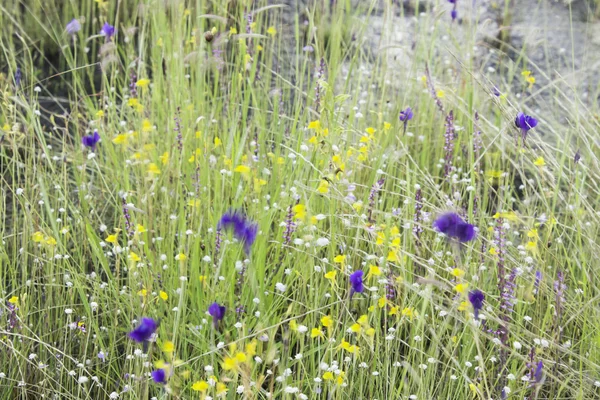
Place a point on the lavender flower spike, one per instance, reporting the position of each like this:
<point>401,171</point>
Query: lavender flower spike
<point>453,226</point>
<point>356,282</point>
<point>476,298</point>
<point>144,331</point>
<point>217,313</point>
<point>91,140</point>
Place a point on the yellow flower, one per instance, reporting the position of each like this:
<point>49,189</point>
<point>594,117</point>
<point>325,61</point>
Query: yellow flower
<point>140,229</point>
<point>370,131</point>
<point>153,169</point>
<point>316,332</point>
<point>221,388</point>
<point>120,139</point>
<point>440,94</point>
<point>392,256</point>
<point>494,174</point>
<point>192,159</point>
<point>493,251</point>
<point>457,272</point>
<point>323,187</point>
<point>194,203</point>
<point>540,162</point>
<point>232,31</point>
<point>134,257</point>
<point>511,215</point>
<point>532,233</point>
<point>464,305</point>
<point>355,328</point>
<point>386,126</point>
<point>111,238</point>
<point>142,292</point>
<point>181,257</point>
<point>381,302</point>
<point>202,278</point>
<point>461,287</point>
<point>331,276</point>
<point>217,142</point>
<point>251,348</point>
<point>326,321</point>
<point>370,332</point>
<point>299,211</point>
<point>316,125</point>
<point>339,259</point>
<point>525,73</point>
<point>99,114</point>
<point>408,312</point>
<point>328,376</point>
<point>146,126</point>
<point>229,363</point>
<point>37,237</point>
<point>272,31</point>
<point>393,310</point>
<point>13,300</point>
<point>168,346</point>
<point>242,169</point>
<point>163,295</point>
<point>374,271</point>
<point>363,319</point>
<point>200,386</point>
<point>241,357</point>
<point>143,83</point>
<point>531,246</point>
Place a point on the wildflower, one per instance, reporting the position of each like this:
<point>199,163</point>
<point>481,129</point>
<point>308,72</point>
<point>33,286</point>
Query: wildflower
<point>316,332</point>
<point>331,276</point>
<point>159,376</point>
<point>144,331</point>
<point>244,229</point>
<point>539,372</point>
<point>13,300</point>
<point>326,321</point>
<point>73,27</point>
<point>406,115</point>
<point>272,31</point>
<point>200,386</point>
<point>525,123</point>
<point>143,83</point>
<point>461,287</point>
<point>168,346</point>
<point>539,162</point>
<point>217,312</point>
<point>107,30</point>
<point>476,298</point>
<point>453,226</point>
<point>356,281</point>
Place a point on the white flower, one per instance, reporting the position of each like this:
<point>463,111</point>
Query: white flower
<point>321,242</point>
<point>68,311</point>
<point>82,380</point>
<point>517,345</point>
<point>302,328</point>
<point>240,389</point>
<point>113,395</point>
<point>280,287</point>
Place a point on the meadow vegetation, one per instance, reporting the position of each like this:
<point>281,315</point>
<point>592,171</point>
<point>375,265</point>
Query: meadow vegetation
<point>240,199</point>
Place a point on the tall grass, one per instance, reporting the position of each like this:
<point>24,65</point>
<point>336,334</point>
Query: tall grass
<point>203,107</point>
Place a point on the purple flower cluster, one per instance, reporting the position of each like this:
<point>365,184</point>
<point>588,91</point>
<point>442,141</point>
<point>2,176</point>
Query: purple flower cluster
<point>244,229</point>
<point>476,298</point>
<point>525,123</point>
<point>453,226</point>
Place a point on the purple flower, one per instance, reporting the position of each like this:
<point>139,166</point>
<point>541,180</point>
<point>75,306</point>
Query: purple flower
<point>539,372</point>
<point>73,27</point>
<point>244,229</point>
<point>525,122</point>
<point>454,14</point>
<point>217,312</point>
<point>496,92</point>
<point>476,298</point>
<point>356,281</point>
<point>159,376</point>
<point>107,30</point>
<point>144,331</point>
<point>406,115</point>
<point>453,226</point>
<point>91,140</point>
<point>18,77</point>
<point>308,48</point>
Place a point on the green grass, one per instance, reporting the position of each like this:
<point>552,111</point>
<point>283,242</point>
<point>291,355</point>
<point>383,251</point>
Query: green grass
<point>69,294</point>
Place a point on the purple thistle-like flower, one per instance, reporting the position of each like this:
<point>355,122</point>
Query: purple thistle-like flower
<point>244,229</point>
<point>356,282</point>
<point>73,27</point>
<point>217,312</point>
<point>159,376</point>
<point>107,30</point>
<point>476,298</point>
<point>144,330</point>
<point>525,123</point>
<point>453,226</point>
<point>91,140</point>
